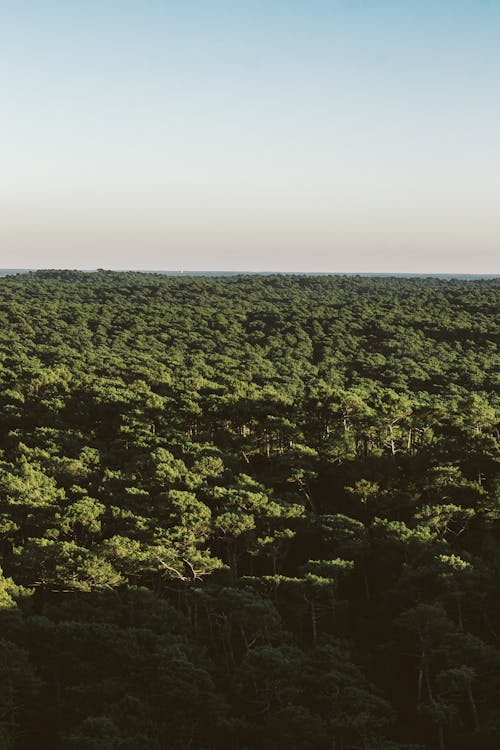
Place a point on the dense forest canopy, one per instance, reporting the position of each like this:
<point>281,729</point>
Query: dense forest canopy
<point>248,512</point>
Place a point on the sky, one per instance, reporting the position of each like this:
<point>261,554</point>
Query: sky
<point>287,135</point>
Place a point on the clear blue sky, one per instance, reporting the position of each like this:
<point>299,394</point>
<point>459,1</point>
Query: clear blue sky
<point>350,135</point>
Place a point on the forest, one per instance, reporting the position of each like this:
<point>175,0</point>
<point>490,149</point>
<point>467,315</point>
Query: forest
<point>249,512</point>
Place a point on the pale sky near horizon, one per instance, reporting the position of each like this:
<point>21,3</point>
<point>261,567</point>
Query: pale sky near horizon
<point>299,135</point>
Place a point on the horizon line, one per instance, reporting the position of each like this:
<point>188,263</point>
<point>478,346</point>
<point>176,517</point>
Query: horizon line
<point>243,272</point>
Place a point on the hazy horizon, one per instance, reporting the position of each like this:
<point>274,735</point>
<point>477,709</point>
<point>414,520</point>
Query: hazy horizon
<point>321,137</point>
<point>221,272</point>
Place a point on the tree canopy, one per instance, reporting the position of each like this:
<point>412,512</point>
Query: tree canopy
<point>248,512</point>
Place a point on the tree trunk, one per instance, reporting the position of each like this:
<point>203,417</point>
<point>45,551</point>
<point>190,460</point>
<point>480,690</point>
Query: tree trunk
<point>366,584</point>
<point>393,445</point>
<point>314,622</point>
<point>420,680</point>
<point>440,737</point>
<point>473,707</point>
<point>428,684</point>
<point>460,614</point>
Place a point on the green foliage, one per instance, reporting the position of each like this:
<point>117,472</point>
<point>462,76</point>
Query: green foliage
<point>248,512</point>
